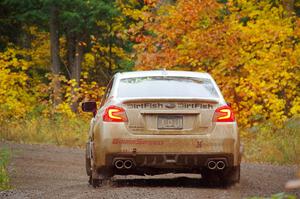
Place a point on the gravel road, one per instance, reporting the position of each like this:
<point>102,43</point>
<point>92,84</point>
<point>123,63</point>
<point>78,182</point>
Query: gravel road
<point>42,171</point>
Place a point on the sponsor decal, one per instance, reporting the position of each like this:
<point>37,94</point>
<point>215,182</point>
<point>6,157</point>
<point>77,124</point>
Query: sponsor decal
<point>170,105</point>
<point>192,105</point>
<point>146,106</point>
<point>136,142</point>
<point>199,143</point>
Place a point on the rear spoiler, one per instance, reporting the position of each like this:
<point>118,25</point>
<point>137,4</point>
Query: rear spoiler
<point>165,99</point>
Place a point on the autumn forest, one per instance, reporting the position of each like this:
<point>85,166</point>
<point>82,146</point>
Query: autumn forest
<point>54,54</point>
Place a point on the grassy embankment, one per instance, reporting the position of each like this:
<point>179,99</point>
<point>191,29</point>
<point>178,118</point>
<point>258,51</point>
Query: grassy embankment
<point>263,143</point>
<point>58,130</point>
<point>4,178</point>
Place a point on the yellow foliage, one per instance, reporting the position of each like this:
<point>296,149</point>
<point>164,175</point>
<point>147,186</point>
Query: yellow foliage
<point>70,92</point>
<point>251,48</point>
<point>64,108</point>
<point>252,51</point>
<point>40,45</point>
<point>15,93</point>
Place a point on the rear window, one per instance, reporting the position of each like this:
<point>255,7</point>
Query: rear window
<point>165,86</point>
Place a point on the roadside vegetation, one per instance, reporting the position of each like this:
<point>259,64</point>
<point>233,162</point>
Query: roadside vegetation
<point>266,143</point>
<point>56,54</point>
<point>276,196</point>
<point>59,130</point>
<point>4,178</point>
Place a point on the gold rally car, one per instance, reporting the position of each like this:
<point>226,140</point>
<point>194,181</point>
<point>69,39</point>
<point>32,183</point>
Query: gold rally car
<point>155,122</point>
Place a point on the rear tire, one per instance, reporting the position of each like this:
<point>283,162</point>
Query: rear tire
<point>231,176</point>
<point>228,177</point>
<point>211,177</point>
<point>95,182</point>
<point>88,164</point>
<point>94,178</point>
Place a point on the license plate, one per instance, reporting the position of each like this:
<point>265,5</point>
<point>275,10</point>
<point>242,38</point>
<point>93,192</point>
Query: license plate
<point>169,122</point>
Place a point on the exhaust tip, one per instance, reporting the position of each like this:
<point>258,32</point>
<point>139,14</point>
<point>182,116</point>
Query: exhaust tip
<point>221,165</point>
<point>211,164</point>
<point>119,164</point>
<point>128,164</point>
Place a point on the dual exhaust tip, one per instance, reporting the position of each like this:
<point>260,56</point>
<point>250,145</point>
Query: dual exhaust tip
<point>124,164</point>
<point>128,164</point>
<point>216,164</point>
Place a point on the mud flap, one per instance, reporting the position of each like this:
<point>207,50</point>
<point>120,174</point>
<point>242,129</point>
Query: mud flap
<point>88,156</point>
<point>232,176</point>
<point>228,177</point>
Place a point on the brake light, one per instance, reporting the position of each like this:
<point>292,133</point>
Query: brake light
<point>114,114</point>
<point>224,114</point>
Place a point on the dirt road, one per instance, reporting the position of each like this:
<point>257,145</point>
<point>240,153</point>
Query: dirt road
<point>40,171</point>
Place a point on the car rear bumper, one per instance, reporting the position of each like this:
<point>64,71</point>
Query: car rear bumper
<point>166,151</point>
<point>155,163</point>
<point>167,160</point>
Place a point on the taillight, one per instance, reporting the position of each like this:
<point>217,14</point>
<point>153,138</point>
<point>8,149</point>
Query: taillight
<point>114,114</point>
<point>224,114</point>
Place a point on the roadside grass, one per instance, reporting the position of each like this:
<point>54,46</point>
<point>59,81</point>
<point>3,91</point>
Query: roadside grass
<point>265,143</point>
<point>276,196</point>
<point>58,130</point>
<point>4,178</point>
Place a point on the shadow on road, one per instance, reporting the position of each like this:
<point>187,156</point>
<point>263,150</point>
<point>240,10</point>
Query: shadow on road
<point>173,182</point>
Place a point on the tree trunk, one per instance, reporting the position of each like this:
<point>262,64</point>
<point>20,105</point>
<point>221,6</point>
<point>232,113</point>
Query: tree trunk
<point>110,49</point>
<point>71,43</point>
<point>54,53</point>
<point>289,6</point>
<point>76,71</point>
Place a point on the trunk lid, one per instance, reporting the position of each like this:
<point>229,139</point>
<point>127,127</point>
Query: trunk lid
<point>176,116</point>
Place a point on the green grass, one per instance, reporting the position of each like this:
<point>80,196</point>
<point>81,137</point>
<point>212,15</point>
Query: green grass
<point>4,178</point>
<point>276,196</point>
<point>265,143</point>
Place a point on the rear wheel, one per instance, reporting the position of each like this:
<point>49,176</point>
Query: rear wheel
<point>99,177</point>
<point>95,182</point>
<point>227,177</point>
<point>94,179</point>
<point>88,164</point>
<point>211,177</point>
<point>231,176</point>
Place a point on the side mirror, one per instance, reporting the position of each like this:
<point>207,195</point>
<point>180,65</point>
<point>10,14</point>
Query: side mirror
<point>89,107</point>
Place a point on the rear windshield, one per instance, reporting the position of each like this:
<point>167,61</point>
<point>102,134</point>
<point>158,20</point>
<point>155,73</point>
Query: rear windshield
<point>162,86</point>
